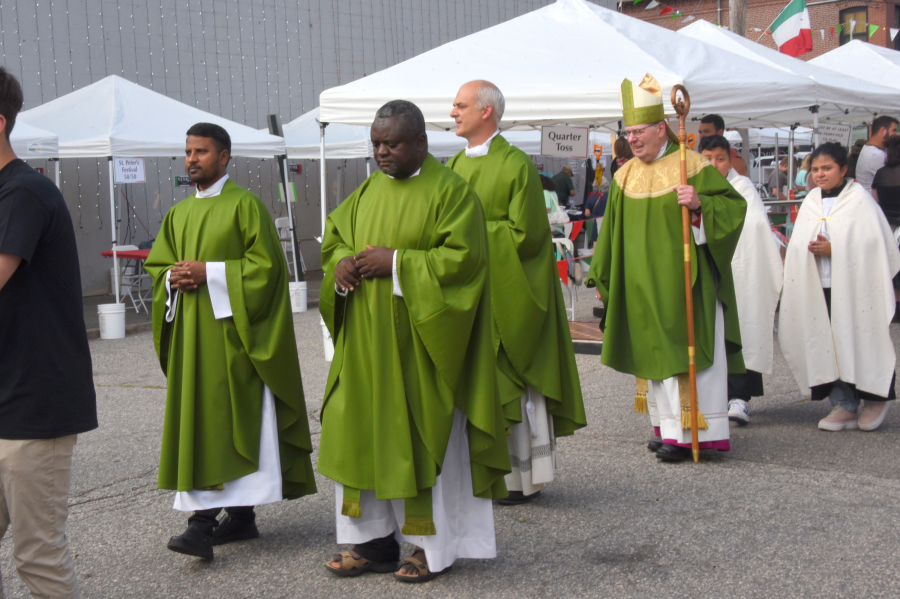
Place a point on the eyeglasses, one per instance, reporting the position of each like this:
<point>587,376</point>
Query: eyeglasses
<point>635,133</point>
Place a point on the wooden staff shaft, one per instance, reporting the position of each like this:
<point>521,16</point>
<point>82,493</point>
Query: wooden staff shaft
<point>681,109</point>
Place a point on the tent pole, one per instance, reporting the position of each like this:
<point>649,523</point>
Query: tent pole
<point>287,200</point>
<point>815,135</point>
<point>114,227</point>
<point>368,168</point>
<point>57,173</point>
<point>790,180</point>
<point>759,169</point>
<point>777,170</point>
<point>322,175</point>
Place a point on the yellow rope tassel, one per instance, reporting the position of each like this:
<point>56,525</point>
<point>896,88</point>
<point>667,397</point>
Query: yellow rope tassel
<point>686,420</point>
<point>684,395</point>
<point>640,396</point>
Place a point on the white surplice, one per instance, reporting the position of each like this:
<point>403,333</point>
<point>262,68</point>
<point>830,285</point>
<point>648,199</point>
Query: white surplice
<point>758,275</point>
<point>464,523</point>
<point>853,345</point>
<point>264,485</point>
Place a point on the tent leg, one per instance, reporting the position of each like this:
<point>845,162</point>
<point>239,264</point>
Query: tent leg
<point>759,169</point>
<point>322,175</point>
<point>790,180</point>
<point>368,168</point>
<point>777,170</point>
<point>288,196</point>
<point>816,128</point>
<point>57,173</point>
<point>114,227</point>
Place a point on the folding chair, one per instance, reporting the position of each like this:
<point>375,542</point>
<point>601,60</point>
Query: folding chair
<point>131,279</point>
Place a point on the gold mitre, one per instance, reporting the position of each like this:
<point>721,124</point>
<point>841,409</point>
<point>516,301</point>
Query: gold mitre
<point>643,104</point>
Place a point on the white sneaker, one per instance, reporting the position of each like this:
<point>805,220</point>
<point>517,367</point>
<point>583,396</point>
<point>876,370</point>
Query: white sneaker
<point>872,415</point>
<point>739,411</point>
<point>839,419</point>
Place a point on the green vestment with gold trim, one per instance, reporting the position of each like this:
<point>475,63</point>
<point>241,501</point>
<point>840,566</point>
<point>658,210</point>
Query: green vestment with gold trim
<point>638,267</point>
<point>216,368</point>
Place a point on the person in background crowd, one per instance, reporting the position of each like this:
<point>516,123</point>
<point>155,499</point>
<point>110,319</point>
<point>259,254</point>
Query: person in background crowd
<point>623,154</point>
<point>553,206</point>
<point>838,300</point>
<point>872,155</point>
<point>47,393</point>
<point>886,191</point>
<point>802,181</point>
<point>565,188</point>
<point>758,275</point>
<point>778,180</point>
<point>713,124</point>
<point>536,371</point>
<point>638,269</point>
<point>853,158</point>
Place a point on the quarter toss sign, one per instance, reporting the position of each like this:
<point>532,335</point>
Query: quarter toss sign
<point>564,142</point>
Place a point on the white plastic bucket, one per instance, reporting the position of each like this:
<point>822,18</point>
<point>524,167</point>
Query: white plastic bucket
<point>329,345</point>
<point>112,321</point>
<point>298,296</point>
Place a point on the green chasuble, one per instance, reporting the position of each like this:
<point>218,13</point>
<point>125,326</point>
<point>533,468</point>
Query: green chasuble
<point>531,334</point>
<point>402,364</point>
<point>216,369</point>
<point>638,267</point>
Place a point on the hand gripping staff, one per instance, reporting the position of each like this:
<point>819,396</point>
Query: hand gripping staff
<point>682,106</point>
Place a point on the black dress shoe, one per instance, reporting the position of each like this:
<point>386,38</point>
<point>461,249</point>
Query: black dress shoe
<point>518,498</point>
<point>654,445</point>
<point>195,541</point>
<point>232,529</point>
<point>673,453</point>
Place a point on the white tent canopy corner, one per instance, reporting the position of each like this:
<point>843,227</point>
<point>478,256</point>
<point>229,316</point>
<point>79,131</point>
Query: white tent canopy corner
<point>114,117</point>
<point>866,61</point>
<point>30,142</point>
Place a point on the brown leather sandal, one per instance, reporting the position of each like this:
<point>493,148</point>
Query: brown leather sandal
<point>354,565</point>
<point>421,568</point>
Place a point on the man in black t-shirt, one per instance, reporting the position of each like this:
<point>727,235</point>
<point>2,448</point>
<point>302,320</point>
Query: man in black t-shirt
<point>46,382</point>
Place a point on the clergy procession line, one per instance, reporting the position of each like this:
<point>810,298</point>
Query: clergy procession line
<point>453,373</point>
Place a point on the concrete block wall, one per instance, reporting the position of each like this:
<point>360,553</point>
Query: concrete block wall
<point>240,60</point>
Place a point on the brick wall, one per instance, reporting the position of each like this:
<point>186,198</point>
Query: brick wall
<point>761,13</point>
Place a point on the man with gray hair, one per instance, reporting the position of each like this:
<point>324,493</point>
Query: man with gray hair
<point>536,370</point>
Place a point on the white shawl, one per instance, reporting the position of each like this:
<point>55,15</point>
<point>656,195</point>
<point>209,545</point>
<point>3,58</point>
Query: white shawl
<point>758,274</point>
<point>855,344</point>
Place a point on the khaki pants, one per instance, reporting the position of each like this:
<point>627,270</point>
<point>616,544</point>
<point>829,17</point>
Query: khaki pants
<point>34,501</point>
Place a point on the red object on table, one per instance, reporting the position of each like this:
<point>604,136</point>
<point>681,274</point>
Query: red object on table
<point>127,254</point>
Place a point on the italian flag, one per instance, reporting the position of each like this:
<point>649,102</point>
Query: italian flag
<point>792,31</point>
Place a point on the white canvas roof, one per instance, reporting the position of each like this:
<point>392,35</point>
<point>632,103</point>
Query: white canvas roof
<point>115,117</point>
<point>840,97</point>
<point>766,137</point>
<point>564,63</point>
<point>31,142</point>
<point>866,61</point>
<point>302,139</point>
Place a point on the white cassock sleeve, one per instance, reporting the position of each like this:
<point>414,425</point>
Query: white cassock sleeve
<point>171,299</point>
<point>397,291</point>
<point>218,289</point>
<point>699,232</point>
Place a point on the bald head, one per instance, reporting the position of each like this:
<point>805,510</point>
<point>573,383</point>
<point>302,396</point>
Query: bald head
<point>477,110</point>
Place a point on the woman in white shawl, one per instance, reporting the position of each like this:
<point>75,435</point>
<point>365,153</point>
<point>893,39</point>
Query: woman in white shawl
<point>838,297</point>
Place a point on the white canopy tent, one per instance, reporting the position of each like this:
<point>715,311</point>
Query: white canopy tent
<point>551,87</point>
<point>31,142</point>
<point>117,118</point>
<point>866,61</point>
<point>304,139</point>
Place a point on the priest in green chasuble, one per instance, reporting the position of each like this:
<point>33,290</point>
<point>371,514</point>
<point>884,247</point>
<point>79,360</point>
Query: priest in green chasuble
<point>412,429</point>
<point>236,433</point>
<point>638,269</point>
<point>537,374</point>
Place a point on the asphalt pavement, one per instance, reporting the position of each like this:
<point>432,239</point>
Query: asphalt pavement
<point>790,511</point>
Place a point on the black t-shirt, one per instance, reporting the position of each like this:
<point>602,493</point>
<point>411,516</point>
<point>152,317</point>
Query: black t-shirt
<point>46,380</point>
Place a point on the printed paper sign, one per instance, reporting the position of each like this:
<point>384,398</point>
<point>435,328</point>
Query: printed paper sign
<point>564,142</point>
<point>835,133</point>
<point>129,170</point>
